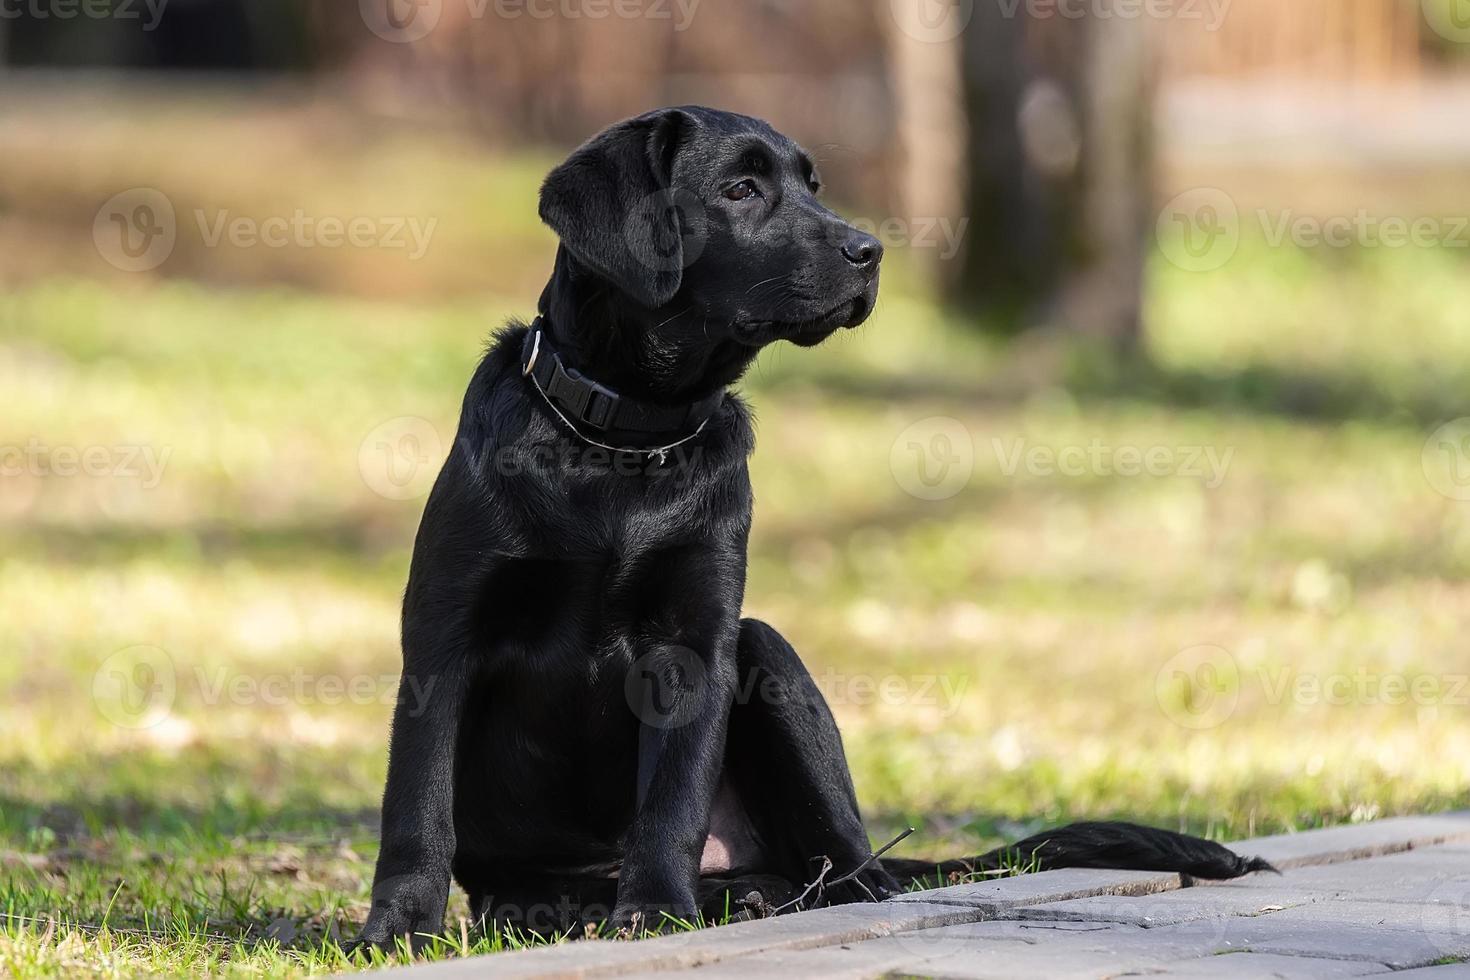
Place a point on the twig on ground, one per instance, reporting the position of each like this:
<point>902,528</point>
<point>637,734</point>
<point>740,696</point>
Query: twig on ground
<point>875,856</point>
<point>820,881</point>
<point>816,883</point>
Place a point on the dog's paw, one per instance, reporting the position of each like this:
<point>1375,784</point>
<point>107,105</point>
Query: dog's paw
<point>405,908</point>
<point>636,919</point>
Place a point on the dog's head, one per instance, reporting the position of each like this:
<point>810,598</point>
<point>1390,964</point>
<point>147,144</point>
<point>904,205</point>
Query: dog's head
<point>713,214</point>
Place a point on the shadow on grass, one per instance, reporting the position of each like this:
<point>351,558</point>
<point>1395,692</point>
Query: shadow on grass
<point>363,539</point>
<point>1265,390</point>
<point>297,819</point>
<point>199,792</point>
<point>1094,374</point>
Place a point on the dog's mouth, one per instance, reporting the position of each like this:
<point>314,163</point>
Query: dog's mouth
<point>809,333</point>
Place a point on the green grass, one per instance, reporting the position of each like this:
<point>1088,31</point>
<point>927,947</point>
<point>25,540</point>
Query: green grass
<point>1026,626</point>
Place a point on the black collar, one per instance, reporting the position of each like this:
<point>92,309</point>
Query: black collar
<point>594,411</point>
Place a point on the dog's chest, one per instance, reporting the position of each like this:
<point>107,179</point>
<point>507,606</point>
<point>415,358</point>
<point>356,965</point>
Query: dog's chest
<point>578,613</point>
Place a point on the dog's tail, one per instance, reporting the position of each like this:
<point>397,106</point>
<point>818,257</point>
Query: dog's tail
<point>1116,846</point>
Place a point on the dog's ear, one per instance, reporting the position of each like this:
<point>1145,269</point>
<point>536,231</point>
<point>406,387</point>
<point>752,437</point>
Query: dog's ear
<point>612,207</point>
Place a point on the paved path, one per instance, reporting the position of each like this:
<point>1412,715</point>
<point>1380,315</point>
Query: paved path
<point>1352,901</point>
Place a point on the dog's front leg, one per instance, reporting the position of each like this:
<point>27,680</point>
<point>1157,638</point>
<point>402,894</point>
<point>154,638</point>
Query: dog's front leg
<point>411,882</point>
<point>681,690</point>
<point>448,575</point>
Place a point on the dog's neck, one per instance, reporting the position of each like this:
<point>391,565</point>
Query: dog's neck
<point>663,356</point>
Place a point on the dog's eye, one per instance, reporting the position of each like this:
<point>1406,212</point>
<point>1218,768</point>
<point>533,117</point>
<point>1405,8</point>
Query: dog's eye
<point>742,191</point>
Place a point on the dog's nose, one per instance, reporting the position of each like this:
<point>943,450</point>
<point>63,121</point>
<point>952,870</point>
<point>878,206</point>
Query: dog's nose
<point>862,250</point>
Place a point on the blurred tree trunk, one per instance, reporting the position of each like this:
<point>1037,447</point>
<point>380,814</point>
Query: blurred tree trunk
<point>1060,170</point>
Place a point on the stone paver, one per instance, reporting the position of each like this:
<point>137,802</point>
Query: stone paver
<point>1048,886</point>
<point>821,927</point>
<point>1357,841</point>
<point>1353,901</point>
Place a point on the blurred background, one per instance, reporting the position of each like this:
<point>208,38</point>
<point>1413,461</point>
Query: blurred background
<point>1145,493</point>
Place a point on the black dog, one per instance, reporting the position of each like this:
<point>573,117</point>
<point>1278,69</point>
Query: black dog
<point>605,737</point>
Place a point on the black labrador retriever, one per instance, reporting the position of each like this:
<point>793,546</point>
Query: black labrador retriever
<point>605,738</point>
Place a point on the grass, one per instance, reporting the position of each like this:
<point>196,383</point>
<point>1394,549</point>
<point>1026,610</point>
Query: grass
<point>1035,648</point>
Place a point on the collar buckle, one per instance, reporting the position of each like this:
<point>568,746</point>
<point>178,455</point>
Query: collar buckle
<point>588,402</point>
